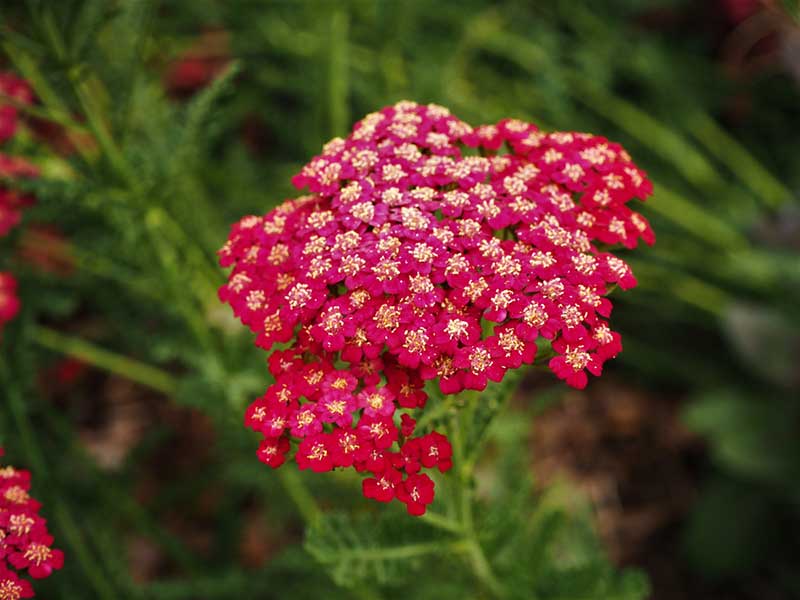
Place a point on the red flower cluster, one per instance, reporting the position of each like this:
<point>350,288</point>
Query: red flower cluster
<point>427,250</point>
<point>12,90</point>
<point>24,540</point>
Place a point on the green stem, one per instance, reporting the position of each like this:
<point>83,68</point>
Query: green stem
<point>87,352</point>
<point>99,126</point>
<point>100,266</point>
<point>156,221</point>
<point>211,277</point>
<point>481,567</point>
<point>692,290</point>
<point>436,412</point>
<point>298,492</point>
<point>405,551</point>
<point>480,564</point>
<point>695,220</point>
<point>742,163</point>
<point>441,522</point>
<point>311,513</point>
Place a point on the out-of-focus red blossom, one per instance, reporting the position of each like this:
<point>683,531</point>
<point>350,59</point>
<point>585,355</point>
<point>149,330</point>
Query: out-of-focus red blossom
<point>254,133</point>
<point>63,140</point>
<point>25,543</point>
<point>68,370</point>
<point>740,10</point>
<point>199,65</point>
<point>12,167</point>
<point>415,258</point>
<point>46,248</point>
<point>761,35</point>
<point>12,202</point>
<point>13,91</point>
<point>9,302</point>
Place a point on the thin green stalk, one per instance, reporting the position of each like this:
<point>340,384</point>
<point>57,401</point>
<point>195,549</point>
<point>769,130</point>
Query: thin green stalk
<point>118,364</point>
<point>480,564</point>
<point>99,126</point>
<point>310,512</point>
<point>742,163</point>
<point>695,220</point>
<point>170,263</point>
<point>298,492</point>
<point>211,277</point>
<point>441,522</point>
<point>100,266</point>
<point>436,412</point>
<point>481,567</point>
<point>405,551</point>
<point>688,288</point>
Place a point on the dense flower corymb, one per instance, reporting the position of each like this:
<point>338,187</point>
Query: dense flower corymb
<point>25,543</point>
<point>427,249</point>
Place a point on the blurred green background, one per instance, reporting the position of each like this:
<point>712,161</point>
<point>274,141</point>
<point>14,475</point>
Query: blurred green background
<point>124,382</point>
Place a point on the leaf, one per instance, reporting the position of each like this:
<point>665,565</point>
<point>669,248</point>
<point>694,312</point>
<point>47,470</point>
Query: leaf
<point>753,437</point>
<point>485,407</point>
<point>200,109</point>
<point>92,16</point>
<point>369,547</point>
<point>766,340</point>
<point>554,553</point>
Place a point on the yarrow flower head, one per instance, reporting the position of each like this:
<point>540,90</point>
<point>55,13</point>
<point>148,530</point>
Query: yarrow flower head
<point>427,249</point>
<point>25,543</point>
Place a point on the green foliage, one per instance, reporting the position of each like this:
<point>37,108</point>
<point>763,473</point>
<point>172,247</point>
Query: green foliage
<point>368,549</point>
<point>539,546</point>
<point>752,436</point>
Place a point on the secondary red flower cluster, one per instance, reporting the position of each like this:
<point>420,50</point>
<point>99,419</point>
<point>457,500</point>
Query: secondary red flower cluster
<point>427,250</point>
<point>12,90</point>
<point>25,542</point>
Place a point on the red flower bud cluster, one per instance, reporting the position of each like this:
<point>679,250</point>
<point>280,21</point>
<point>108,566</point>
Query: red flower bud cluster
<point>13,91</point>
<point>427,250</point>
<point>25,542</point>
